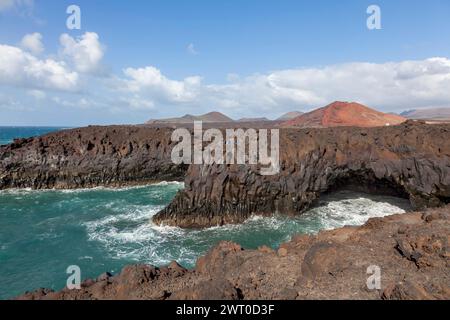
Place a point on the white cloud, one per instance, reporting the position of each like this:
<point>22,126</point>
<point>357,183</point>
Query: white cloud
<point>135,102</point>
<point>76,102</point>
<point>33,43</point>
<point>85,52</point>
<point>191,49</point>
<point>393,86</point>
<point>20,68</point>
<point>152,82</point>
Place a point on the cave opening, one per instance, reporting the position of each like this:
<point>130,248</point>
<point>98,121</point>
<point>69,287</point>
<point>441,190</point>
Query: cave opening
<point>365,182</point>
<point>444,199</point>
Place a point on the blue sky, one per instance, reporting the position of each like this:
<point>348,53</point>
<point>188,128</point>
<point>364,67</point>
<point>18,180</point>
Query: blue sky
<point>244,58</point>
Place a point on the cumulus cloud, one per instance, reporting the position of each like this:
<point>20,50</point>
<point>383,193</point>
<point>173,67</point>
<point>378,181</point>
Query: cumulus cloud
<point>152,82</point>
<point>393,85</point>
<point>85,52</point>
<point>390,86</point>
<point>20,68</point>
<point>33,43</point>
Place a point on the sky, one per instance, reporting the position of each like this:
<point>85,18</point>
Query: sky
<point>132,61</point>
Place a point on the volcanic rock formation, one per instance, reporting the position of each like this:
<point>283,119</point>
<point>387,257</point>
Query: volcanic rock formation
<point>412,252</point>
<point>90,157</point>
<point>340,114</point>
<point>411,160</point>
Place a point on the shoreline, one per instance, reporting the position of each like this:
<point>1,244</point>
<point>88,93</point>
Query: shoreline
<point>410,161</point>
<point>411,250</point>
<point>414,166</point>
<point>117,187</point>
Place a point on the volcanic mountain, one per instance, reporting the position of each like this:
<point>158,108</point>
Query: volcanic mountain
<point>262,119</point>
<point>210,117</point>
<point>428,114</point>
<point>290,115</point>
<point>339,114</point>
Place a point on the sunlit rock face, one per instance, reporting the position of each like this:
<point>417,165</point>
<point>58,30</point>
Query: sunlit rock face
<point>411,160</point>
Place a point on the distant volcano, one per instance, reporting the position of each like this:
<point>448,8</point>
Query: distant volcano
<point>428,114</point>
<point>210,117</point>
<point>340,114</point>
<point>290,115</point>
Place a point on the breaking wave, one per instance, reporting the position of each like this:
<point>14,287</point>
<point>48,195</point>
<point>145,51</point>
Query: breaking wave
<point>104,229</point>
<point>132,235</point>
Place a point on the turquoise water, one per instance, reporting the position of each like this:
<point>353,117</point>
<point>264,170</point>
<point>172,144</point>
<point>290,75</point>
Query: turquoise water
<point>43,232</point>
<point>7,134</point>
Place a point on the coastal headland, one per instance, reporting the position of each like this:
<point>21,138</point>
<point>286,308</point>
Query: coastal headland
<point>410,160</point>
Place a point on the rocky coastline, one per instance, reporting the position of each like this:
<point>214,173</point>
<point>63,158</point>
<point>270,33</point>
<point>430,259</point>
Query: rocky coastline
<point>412,252</point>
<point>411,160</point>
<point>90,157</point>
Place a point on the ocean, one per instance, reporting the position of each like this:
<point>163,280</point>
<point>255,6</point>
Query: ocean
<point>101,229</point>
<point>7,134</point>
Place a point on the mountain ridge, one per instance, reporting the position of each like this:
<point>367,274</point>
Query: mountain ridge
<point>340,113</point>
<point>427,114</point>
<point>290,115</point>
<point>210,117</point>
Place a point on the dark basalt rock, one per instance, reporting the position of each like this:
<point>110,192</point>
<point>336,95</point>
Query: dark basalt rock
<point>89,157</point>
<point>411,160</point>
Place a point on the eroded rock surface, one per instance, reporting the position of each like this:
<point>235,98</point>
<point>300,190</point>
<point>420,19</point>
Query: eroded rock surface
<point>411,160</point>
<point>89,157</point>
<point>412,252</point>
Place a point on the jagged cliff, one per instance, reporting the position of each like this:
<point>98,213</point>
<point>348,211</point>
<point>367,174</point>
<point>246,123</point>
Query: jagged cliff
<point>89,157</point>
<point>411,160</point>
<point>410,250</point>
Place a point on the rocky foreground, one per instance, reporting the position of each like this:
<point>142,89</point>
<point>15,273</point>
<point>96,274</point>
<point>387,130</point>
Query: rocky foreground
<point>412,251</point>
